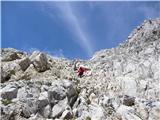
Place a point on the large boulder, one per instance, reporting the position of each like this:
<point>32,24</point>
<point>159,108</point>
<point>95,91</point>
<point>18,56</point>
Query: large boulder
<point>10,112</point>
<point>61,89</point>
<point>28,91</point>
<point>128,85</point>
<point>24,63</point>
<point>59,108</point>
<point>80,108</point>
<point>39,60</point>
<point>154,113</point>
<point>43,100</point>
<point>9,92</point>
<point>71,91</point>
<point>127,113</point>
<point>96,112</point>
<point>56,93</point>
<point>10,54</point>
<point>142,109</point>
<point>5,75</point>
<point>46,111</point>
<point>25,112</point>
<point>9,69</point>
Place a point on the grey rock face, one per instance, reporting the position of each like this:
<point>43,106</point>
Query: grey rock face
<point>9,92</point>
<point>26,113</point>
<point>43,100</point>
<point>123,83</point>
<point>56,93</point>
<point>24,63</point>
<point>5,75</point>
<point>127,113</point>
<point>96,111</point>
<point>9,69</point>
<point>31,100</point>
<point>10,56</point>
<point>39,61</point>
<point>46,112</point>
<point>155,110</point>
<point>59,108</point>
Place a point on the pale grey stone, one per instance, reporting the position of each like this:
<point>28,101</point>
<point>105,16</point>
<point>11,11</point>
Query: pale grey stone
<point>59,108</point>
<point>39,60</point>
<point>9,92</point>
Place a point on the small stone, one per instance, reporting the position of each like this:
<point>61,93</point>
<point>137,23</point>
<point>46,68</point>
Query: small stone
<point>92,97</point>
<point>67,115</point>
<point>128,100</point>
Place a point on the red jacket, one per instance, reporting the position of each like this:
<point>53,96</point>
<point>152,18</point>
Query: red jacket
<point>81,70</point>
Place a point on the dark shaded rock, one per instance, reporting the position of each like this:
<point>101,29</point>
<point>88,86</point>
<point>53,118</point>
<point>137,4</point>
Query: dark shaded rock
<point>128,100</point>
<point>67,115</point>
<point>55,94</point>
<point>10,54</point>
<point>24,63</point>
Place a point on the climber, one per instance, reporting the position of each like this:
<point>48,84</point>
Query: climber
<point>75,65</point>
<point>79,68</point>
<point>81,71</point>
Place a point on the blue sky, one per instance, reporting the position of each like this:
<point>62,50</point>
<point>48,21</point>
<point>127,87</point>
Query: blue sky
<point>71,29</point>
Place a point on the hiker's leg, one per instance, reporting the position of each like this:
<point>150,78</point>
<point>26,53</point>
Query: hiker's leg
<point>80,75</point>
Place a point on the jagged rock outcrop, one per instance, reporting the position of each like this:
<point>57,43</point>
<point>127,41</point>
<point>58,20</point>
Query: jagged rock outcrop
<point>123,83</point>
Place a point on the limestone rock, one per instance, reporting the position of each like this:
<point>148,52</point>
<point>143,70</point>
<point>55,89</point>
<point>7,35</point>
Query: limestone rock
<point>9,69</point>
<point>128,100</point>
<point>123,83</point>
<point>26,113</point>
<point>9,92</point>
<point>154,114</point>
<point>96,112</point>
<point>67,115</point>
<point>24,63</point>
<point>10,56</point>
<point>59,108</point>
<point>5,75</point>
<point>43,100</point>
<point>46,111</point>
<point>127,113</point>
<point>56,93</point>
<point>39,60</point>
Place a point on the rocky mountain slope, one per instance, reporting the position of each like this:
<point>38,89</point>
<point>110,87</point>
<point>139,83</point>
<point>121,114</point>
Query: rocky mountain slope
<point>123,84</point>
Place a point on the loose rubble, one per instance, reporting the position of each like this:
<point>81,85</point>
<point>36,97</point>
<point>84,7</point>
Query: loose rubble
<point>123,83</point>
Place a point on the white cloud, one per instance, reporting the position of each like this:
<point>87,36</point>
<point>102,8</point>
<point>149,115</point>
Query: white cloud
<point>29,49</point>
<point>56,53</point>
<point>67,12</point>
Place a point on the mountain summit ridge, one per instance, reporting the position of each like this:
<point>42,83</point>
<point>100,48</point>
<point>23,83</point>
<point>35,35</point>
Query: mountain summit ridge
<point>123,83</point>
